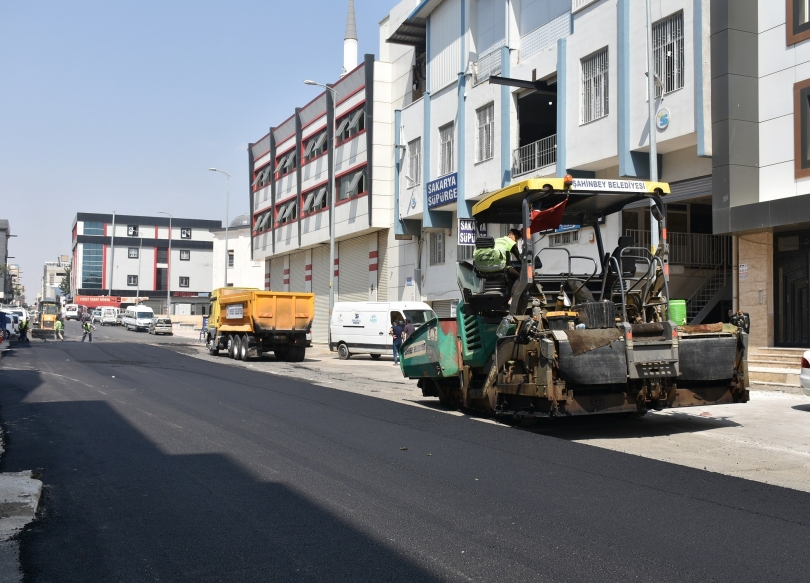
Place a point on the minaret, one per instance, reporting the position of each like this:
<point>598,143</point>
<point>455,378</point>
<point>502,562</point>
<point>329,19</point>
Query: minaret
<point>350,42</point>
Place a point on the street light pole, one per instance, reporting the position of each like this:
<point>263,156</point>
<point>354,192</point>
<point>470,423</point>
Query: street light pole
<point>227,220</point>
<point>653,138</point>
<point>168,267</point>
<point>332,194</point>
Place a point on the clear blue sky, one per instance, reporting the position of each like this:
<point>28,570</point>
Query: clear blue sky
<point>123,105</point>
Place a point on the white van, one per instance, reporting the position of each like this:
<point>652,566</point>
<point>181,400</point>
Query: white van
<point>138,318</point>
<point>72,312</point>
<point>363,327</point>
<point>108,315</point>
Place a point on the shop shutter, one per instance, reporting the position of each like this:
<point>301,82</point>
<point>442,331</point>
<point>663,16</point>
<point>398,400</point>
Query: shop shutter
<point>442,308</point>
<point>277,274</point>
<point>353,268</point>
<point>298,262</point>
<point>382,266</point>
<point>320,286</point>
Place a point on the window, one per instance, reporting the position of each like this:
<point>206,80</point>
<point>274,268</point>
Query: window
<point>133,253</point>
<point>264,221</point>
<point>437,248</point>
<point>132,230</point>
<point>465,252</point>
<point>163,256</point>
<point>183,282</point>
<point>446,149</point>
<point>414,162</point>
<point>92,259</point>
<point>185,233</point>
<point>315,146</point>
<point>351,124</point>
<point>185,255</point>
<point>286,163</point>
<point>287,212</point>
<point>352,184</point>
<point>798,21</point>
<point>314,200</point>
<point>595,86</point>
<point>132,280</point>
<point>262,177</point>
<point>563,238</point>
<point>230,257</point>
<point>485,132</point>
<point>93,228</point>
<point>668,53</point>
<point>801,128</point>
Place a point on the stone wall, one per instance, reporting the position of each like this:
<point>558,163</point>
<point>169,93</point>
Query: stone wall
<point>756,290</point>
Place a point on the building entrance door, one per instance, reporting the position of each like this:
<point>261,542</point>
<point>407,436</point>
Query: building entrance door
<point>792,297</point>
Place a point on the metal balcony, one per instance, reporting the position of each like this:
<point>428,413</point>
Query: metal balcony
<point>532,157</point>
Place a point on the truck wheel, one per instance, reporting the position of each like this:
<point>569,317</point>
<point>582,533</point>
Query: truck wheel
<point>281,352</point>
<point>230,346</point>
<point>343,352</point>
<point>212,347</point>
<point>296,353</point>
<point>376,356</point>
<point>243,348</point>
<point>237,346</point>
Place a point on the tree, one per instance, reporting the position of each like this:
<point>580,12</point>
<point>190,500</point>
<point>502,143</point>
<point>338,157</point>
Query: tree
<point>64,286</point>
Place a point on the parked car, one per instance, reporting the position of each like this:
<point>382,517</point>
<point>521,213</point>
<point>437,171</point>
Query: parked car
<point>804,377</point>
<point>160,326</point>
<point>119,319</point>
<point>138,317</point>
<point>95,317</point>
<point>108,315</point>
<point>363,327</point>
<point>71,312</point>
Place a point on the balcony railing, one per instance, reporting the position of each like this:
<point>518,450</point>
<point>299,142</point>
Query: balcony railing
<point>691,249</point>
<point>580,4</point>
<point>489,64</point>
<point>534,156</point>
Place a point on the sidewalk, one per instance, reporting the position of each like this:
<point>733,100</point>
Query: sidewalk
<point>19,499</point>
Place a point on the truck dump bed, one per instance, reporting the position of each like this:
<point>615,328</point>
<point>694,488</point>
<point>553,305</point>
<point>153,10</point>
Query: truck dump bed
<point>245,310</point>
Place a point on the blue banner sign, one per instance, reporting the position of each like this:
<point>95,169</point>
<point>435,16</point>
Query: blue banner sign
<point>442,191</point>
<point>467,231</point>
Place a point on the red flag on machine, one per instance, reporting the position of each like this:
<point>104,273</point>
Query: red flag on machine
<point>548,219</point>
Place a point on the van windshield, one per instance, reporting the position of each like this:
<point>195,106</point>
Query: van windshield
<point>419,317</point>
<point>143,315</point>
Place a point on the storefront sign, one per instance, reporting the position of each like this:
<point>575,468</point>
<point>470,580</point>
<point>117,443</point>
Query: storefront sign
<point>442,191</point>
<point>97,301</point>
<point>662,119</point>
<point>467,231</point>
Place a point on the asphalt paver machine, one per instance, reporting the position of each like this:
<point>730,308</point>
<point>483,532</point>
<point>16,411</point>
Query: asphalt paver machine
<point>582,335</point>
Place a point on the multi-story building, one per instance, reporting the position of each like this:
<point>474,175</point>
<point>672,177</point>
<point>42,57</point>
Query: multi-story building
<point>497,91</point>
<point>761,112</point>
<point>129,256</point>
<point>343,135</point>
<point>5,279</point>
<point>243,270</point>
<point>52,274</point>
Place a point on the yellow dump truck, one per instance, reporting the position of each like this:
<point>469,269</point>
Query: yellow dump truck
<point>248,322</point>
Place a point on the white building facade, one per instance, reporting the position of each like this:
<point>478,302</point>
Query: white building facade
<point>243,271</point>
<point>572,99</point>
<point>136,256</point>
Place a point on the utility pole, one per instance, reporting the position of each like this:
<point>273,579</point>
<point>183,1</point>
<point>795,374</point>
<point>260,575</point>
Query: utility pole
<point>651,79</point>
<point>112,257</point>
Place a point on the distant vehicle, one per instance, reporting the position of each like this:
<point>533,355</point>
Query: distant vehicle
<point>108,316</point>
<point>95,317</point>
<point>804,377</point>
<point>119,319</point>
<point>72,312</point>
<point>138,318</point>
<point>363,327</point>
<point>160,326</point>
<point>48,314</point>
<point>21,312</point>
<point>12,322</point>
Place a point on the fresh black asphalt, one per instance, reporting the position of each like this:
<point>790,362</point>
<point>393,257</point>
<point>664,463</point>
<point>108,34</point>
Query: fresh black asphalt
<point>160,467</point>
